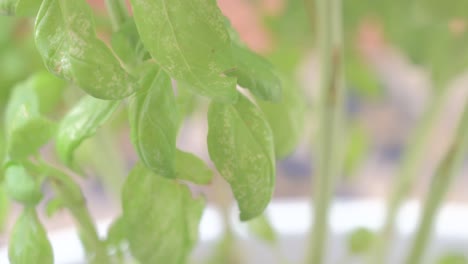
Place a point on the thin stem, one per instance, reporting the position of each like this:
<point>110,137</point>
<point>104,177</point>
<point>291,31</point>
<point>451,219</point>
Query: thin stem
<point>407,175</point>
<point>75,202</point>
<point>328,13</point>
<point>118,13</point>
<point>440,184</point>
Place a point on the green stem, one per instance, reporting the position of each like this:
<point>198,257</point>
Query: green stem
<point>74,201</point>
<point>118,13</point>
<point>440,184</point>
<point>407,175</point>
<point>332,90</point>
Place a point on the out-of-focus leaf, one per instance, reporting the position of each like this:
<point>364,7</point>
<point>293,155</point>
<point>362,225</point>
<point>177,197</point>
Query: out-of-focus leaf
<point>4,207</point>
<point>191,168</point>
<point>154,121</point>
<point>361,78</point>
<point>256,74</point>
<point>19,7</point>
<point>21,186</point>
<point>26,129</point>
<point>29,242</point>
<point>261,228</point>
<point>49,89</point>
<point>240,143</point>
<point>161,218</point>
<point>356,149</point>
<point>80,123</point>
<point>126,43</point>
<point>189,40</point>
<point>286,118</point>
<point>53,206</point>
<point>453,258</point>
<point>360,241</point>
<point>67,41</point>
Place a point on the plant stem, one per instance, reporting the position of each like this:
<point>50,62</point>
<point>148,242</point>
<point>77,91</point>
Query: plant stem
<point>407,175</point>
<point>118,13</point>
<point>328,13</point>
<point>74,201</point>
<point>440,184</point>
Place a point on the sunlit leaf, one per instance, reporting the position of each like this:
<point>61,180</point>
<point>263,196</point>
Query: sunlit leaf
<point>19,7</point>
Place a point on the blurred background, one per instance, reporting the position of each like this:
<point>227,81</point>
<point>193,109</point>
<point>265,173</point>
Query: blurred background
<point>400,55</point>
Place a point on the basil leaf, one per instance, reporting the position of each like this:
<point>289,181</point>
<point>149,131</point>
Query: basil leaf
<point>81,123</point>
<point>22,117</point>
<point>261,227</point>
<point>160,216</point>
<point>191,168</point>
<point>127,45</point>
<point>256,74</point>
<point>154,122</point>
<point>189,40</point>
<point>286,118</point>
<point>67,41</point>
<point>19,7</point>
<point>29,242</point>
<point>240,143</point>
<point>21,186</point>
<point>49,89</point>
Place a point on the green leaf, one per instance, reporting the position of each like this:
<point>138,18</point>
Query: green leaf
<point>67,41</point>
<point>49,89</point>
<point>256,74</point>
<point>154,122</point>
<point>360,241</point>
<point>29,242</point>
<point>19,7</point>
<point>21,186</point>
<point>191,168</point>
<point>27,130</point>
<point>53,206</point>
<point>4,208</point>
<point>453,258</point>
<point>286,118</point>
<point>127,45</point>
<point>240,143</point>
<point>189,40</point>
<point>261,227</point>
<point>356,149</point>
<point>80,123</point>
<point>160,216</point>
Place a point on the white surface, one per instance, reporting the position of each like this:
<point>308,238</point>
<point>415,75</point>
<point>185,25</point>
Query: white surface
<point>291,218</point>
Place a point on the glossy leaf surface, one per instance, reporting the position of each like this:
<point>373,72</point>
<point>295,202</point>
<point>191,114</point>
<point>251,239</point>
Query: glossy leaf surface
<point>160,216</point>
<point>67,41</point>
<point>154,122</point>
<point>240,143</point>
<point>189,40</point>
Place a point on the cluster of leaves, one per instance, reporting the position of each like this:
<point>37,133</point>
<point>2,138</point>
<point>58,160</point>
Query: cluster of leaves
<point>167,52</point>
